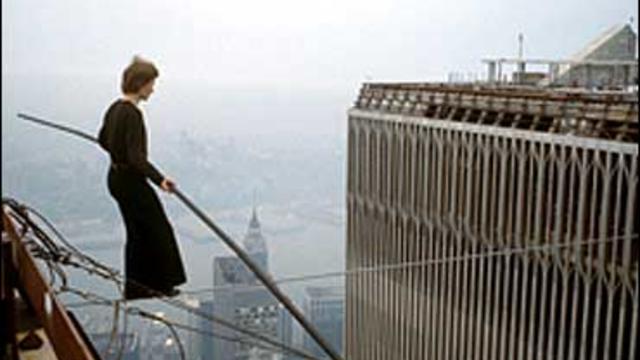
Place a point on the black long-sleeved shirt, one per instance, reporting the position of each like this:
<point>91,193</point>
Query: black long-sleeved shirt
<point>124,136</point>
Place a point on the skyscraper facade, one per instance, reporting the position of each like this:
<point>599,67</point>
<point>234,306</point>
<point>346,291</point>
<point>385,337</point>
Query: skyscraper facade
<point>324,307</point>
<point>200,344</point>
<point>491,223</point>
<point>239,298</point>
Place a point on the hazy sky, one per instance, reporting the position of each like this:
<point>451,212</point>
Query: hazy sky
<point>286,47</point>
<point>294,42</point>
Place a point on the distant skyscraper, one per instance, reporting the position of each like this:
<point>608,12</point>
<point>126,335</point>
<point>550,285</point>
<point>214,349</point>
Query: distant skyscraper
<point>255,243</point>
<point>200,345</point>
<point>324,307</point>
<point>238,297</point>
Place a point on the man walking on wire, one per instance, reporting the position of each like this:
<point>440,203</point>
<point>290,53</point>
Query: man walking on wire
<point>153,266</point>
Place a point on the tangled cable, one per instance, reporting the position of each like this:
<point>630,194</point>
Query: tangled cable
<point>94,299</point>
<point>57,255</point>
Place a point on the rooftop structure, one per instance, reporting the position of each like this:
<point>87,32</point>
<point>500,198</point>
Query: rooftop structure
<point>608,61</point>
<point>603,115</point>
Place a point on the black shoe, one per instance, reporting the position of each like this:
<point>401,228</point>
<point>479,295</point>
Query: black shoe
<point>134,292</point>
<point>171,292</point>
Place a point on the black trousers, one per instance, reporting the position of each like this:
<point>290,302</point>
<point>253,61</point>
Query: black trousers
<point>152,257</point>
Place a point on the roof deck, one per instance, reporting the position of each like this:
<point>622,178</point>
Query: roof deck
<point>611,115</point>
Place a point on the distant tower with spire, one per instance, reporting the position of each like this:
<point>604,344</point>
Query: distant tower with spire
<point>254,242</point>
<point>242,304</point>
